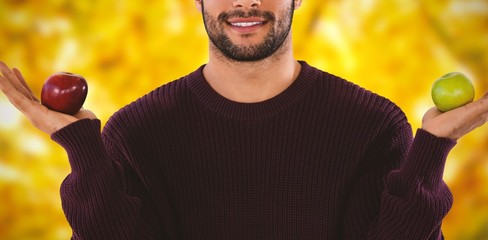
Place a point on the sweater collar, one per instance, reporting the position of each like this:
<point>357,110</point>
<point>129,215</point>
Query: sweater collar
<point>206,95</point>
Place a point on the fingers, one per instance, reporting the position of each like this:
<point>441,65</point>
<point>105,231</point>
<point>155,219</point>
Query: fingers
<point>483,106</point>
<point>16,93</point>
<point>18,99</point>
<point>479,107</point>
<point>5,84</point>
<point>24,84</point>
<point>13,79</point>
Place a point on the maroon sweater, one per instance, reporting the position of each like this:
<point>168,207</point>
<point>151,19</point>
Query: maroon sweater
<point>325,159</point>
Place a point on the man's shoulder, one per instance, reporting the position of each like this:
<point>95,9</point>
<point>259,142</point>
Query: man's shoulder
<point>162,98</point>
<point>355,100</point>
<point>343,89</point>
<point>151,108</point>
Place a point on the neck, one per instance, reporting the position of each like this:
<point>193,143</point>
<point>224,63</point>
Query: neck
<point>251,82</point>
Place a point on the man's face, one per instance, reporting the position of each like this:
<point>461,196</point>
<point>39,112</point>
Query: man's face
<point>249,33</point>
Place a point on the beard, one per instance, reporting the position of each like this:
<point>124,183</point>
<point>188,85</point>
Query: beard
<point>278,33</point>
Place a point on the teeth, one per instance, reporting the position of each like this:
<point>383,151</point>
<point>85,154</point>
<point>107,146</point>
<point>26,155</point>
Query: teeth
<point>245,24</point>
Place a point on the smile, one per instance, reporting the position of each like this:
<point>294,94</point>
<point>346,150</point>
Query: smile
<point>246,24</point>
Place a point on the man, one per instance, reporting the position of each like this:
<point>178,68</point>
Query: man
<point>253,145</point>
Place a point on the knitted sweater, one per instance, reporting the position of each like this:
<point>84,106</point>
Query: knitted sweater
<point>324,159</point>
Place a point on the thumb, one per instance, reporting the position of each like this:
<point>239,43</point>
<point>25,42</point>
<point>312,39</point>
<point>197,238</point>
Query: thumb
<point>85,114</point>
<point>430,114</point>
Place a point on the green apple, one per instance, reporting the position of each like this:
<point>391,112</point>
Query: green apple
<point>451,91</point>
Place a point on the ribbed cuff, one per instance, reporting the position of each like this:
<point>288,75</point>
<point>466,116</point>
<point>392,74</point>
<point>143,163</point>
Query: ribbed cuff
<point>83,143</point>
<point>427,157</point>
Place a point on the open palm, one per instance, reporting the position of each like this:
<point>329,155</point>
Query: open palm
<point>14,86</point>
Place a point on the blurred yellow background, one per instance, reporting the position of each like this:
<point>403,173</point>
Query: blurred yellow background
<point>126,48</point>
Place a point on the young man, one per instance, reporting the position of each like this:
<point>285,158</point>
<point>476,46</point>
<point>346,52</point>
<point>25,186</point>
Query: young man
<point>253,145</point>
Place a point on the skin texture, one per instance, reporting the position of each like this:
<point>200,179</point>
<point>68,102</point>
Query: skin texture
<point>256,79</point>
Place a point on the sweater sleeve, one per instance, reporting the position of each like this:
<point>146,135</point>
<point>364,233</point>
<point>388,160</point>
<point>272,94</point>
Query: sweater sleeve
<point>403,196</point>
<point>94,199</point>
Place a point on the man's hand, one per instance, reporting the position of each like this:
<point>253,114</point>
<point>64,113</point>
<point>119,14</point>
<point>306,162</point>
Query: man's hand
<point>14,86</point>
<point>458,122</point>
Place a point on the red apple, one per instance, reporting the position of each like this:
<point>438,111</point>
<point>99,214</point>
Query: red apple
<point>64,92</point>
